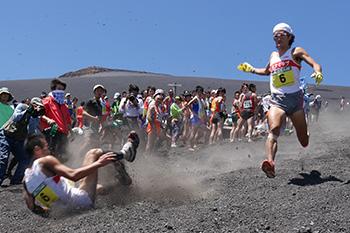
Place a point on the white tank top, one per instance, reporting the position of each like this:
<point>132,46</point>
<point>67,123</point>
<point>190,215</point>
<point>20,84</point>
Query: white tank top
<point>285,74</point>
<point>54,191</point>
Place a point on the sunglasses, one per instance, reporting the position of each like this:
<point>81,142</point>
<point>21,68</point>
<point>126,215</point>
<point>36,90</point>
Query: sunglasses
<point>279,35</point>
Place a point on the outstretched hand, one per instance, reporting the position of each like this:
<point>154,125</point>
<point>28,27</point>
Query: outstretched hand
<point>318,77</point>
<point>106,159</point>
<point>246,67</point>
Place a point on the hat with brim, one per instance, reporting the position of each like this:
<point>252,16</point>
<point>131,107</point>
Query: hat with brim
<point>6,91</point>
<point>116,95</point>
<point>98,86</point>
<point>178,98</point>
<point>37,101</point>
<point>158,92</point>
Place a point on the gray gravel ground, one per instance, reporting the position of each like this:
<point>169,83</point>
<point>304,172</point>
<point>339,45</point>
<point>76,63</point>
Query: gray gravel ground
<point>214,189</point>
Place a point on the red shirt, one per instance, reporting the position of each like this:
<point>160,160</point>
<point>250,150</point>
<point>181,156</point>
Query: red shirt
<point>80,112</point>
<point>108,111</point>
<point>58,113</point>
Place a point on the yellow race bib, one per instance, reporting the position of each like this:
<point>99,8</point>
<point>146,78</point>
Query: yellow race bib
<point>283,77</point>
<point>45,195</point>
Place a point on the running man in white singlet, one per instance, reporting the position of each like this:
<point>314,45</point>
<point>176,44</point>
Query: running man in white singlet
<point>287,98</point>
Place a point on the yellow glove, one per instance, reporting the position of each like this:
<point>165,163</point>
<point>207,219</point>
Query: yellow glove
<point>318,77</point>
<point>246,67</point>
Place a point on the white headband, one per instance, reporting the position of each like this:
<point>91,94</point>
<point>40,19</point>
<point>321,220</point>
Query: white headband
<point>284,27</point>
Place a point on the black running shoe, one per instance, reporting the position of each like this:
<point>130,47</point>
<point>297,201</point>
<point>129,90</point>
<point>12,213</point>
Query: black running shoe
<point>134,138</point>
<point>130,147</point>
<point>122,176</point>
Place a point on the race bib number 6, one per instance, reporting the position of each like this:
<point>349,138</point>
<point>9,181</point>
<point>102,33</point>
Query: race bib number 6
<point>283,77</point>
<point>45,195</point>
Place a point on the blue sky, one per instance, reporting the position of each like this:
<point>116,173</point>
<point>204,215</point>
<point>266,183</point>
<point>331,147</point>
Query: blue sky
<point>45,39</point>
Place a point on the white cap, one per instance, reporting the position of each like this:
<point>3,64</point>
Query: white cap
<point>97,86</point>
<point>284,27</point>
<point>68,94</point>
<point>116,95</point>
<point>158,92</point>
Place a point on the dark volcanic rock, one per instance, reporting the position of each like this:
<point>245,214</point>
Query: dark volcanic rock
<point>214,189</point>
<point>92,70</point>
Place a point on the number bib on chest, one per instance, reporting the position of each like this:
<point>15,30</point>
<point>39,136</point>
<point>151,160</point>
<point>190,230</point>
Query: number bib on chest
<point>45,195</point>
<point>247,104</point>
<point>283,77</point>
<point>104,110</point>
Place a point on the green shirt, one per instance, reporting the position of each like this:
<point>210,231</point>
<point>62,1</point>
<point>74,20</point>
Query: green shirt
<point>175,112</point>
<point>6,112</point>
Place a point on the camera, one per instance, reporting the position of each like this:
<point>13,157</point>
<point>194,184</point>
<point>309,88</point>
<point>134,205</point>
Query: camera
<point>132,97</point>
<point>42,111</point>
<point>34,112</point>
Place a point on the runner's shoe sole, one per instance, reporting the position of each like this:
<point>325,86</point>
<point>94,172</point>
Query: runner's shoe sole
<point>269,168</point>
<point>122,176</point>
<point>134,138</point>
<point>130,147</point>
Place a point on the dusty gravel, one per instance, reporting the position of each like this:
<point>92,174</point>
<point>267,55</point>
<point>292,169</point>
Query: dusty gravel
<point>214,189</point>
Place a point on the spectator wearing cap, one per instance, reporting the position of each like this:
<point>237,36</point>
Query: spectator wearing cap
<point>69,103</point>
<point>109,129</point>
<point>5,109</point>
<point>56,113</point>
<point>131,108</point>
<point>176,112</point>
<point>155,128</point>
<point>24,120</point>
<point>92,119</point>
<point>115,107</point>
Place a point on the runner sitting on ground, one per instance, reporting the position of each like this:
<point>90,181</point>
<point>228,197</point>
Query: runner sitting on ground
<point>47,182</point>
<point>287,97</point>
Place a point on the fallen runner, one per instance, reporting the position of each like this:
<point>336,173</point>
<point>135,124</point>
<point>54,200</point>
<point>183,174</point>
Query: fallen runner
<point>48,180</point>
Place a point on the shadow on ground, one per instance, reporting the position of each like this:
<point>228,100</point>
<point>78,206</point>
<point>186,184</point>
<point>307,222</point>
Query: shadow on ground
<point>313,178</point>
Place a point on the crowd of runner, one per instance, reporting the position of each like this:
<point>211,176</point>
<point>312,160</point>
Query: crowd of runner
<point>193,118</point>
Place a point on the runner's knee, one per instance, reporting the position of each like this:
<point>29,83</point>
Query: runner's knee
<point>275,130</point>
<point>272,136</point>
<point>95,153</point>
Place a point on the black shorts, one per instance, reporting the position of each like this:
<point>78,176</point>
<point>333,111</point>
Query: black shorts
<point>247,113</point>
<point>235,118</point>
<point>217,117</point>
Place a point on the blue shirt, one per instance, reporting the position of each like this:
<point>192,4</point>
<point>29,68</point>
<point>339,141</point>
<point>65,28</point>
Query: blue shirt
<point>19,112</point>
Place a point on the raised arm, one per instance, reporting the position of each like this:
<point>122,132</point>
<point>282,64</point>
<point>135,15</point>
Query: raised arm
<point>246,67</point>
<point>51,163</point>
